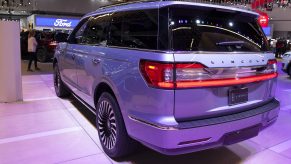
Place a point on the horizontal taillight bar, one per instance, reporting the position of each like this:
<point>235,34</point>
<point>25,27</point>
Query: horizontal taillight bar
<point>225,82</point>
<point>193,75</point>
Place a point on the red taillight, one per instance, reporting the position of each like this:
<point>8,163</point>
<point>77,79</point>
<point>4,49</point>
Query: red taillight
<point>158,74</point>
<point>272,66</point>
<point>193,75</point>
<point>225,82</point>
<point>272,61</point>
<point>192,65</point>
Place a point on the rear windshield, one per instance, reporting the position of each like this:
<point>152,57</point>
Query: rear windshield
<point>208,29</point>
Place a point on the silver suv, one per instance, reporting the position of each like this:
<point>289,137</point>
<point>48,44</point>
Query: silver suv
<point>175,76</point>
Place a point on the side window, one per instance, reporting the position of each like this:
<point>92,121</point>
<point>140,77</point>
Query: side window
<point>135,29</point>
<point>76,35</point>
<point>79,34</point>
<point>163,41</point>
<point>115,30</point>
<point>96,31</point>
<point>140,29</point>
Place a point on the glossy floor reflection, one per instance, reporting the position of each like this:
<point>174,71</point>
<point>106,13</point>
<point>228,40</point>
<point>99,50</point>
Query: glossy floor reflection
<point>46,129</point>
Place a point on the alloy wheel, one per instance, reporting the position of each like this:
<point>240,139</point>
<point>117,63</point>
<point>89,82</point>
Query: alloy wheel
<point>107,124</point>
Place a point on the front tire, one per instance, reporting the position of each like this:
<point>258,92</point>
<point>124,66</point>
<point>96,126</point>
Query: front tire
<point>60,88</point>
<point>111,129</point>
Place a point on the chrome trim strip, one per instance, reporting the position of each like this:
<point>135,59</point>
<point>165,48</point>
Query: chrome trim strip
<point>82,102</point>
<point>221,52</point>
<point>140,49</point>
<point>153,125</point>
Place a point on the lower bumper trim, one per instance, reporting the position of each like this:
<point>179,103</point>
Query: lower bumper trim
<point>195,141</point>
<point>271,105</point>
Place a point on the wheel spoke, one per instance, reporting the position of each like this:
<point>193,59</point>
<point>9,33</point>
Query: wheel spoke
<point>113,130</point>
<point>111,141</point>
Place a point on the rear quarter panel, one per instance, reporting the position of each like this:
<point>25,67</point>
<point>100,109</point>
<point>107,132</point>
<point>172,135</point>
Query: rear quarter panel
<point>120,70</point>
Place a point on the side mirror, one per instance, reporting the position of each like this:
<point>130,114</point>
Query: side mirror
<point>61,37</point>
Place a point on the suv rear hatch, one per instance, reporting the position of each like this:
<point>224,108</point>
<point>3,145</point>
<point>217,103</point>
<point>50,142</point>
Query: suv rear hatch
<point>222,65</point>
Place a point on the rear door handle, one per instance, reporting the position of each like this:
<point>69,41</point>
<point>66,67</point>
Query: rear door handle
<point>96,61</point>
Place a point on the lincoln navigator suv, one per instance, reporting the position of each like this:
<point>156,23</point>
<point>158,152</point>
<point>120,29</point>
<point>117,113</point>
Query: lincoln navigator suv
<point>175,76</point>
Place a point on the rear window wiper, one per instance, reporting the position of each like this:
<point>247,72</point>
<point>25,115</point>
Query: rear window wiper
<point>230,43</point>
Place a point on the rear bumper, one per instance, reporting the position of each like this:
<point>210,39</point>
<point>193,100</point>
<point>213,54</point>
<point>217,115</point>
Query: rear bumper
<point>186,137</point>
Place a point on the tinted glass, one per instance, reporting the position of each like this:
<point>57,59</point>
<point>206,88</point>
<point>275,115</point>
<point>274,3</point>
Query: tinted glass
<point>135,29</point>
<point>115,31</point>
<point>96,31</point>
<point>207,29</point>
<point>77,35</point>
<point>61,37</point>
<point>163,39</point>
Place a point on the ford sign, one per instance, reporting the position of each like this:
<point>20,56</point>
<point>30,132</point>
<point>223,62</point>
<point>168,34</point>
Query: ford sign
<point>56,22</point>
<point>63,23</point>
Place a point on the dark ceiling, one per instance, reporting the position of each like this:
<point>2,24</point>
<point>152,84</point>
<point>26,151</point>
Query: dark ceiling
<point>64,7</point>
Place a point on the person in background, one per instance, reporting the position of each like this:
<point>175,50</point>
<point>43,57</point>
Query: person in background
<point>32,44</point>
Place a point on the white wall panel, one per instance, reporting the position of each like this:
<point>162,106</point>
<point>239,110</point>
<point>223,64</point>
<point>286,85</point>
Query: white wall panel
<point>281,25</point>
<point>10,66</point>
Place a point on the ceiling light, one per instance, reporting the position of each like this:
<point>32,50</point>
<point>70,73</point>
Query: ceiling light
<point>230,24</point>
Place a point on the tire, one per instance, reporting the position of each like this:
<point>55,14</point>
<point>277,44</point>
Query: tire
<point>289,70</point>
<point>60,88</point>
<point>42,55</point>
<point>111,129</point>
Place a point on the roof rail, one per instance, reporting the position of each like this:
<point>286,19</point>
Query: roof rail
<point>125,3</point>
<point>236,4</point>
<point>242,5</point>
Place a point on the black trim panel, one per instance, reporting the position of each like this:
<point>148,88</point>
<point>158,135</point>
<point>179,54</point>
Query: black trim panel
<point>273,104</point>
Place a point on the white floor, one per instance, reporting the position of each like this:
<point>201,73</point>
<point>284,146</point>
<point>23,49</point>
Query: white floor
<point>46,129</point>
